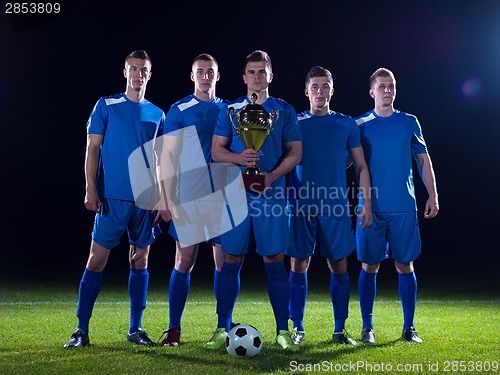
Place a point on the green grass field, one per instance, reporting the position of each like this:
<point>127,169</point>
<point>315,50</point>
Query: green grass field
<point>460,326</point>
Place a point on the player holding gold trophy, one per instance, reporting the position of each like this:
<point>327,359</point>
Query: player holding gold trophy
<point>253,124</point>
<point>280,147</point>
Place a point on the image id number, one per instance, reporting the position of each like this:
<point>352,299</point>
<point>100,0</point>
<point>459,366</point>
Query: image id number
<point>470,366</point>
<point>32,8</point>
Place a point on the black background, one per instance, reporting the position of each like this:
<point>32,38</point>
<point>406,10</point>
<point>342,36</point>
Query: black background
<point>445,55</point>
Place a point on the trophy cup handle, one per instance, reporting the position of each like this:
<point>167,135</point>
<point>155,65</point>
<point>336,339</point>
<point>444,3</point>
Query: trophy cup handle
<point>231,112</point>
<point>275,114</point>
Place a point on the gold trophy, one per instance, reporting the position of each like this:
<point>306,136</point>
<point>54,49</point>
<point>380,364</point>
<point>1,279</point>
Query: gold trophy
<point>253,124</point>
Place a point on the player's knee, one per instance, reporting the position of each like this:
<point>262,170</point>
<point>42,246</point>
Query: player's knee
<point>338,268</point>
<point>139,259</point>
<point>230,258</point>
<point>139,263</point>
<point>95,266</point>
<point>299,265</point>
<point>274,258</point>
<point>404,267</point>
<point>96,263</point>
<point>98,257</point>
<point>184,264</point>
<point>371,268</point>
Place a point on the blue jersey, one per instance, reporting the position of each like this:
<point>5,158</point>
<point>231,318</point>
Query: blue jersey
<point>125,125</point>
<point>197,120</point>
<point>318,183</point>
<point>193,111</point>
<point>286,130</point>
<point>389,143</point>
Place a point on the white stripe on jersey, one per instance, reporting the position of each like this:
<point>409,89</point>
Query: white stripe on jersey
<point>305,117</point>
<point>111,101</point>
<point>187,105</point>
<point>237,106</point>
<point>362,120</point>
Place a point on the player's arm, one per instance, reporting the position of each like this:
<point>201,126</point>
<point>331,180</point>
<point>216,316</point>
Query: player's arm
<point>291,157</point>
<point>168,168</point>
<point>222,154</point>
<point>358,157</point>
<point>92,155</point>
<point>429,179</point>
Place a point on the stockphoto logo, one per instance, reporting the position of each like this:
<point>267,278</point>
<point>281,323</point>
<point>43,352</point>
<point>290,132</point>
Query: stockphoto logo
<point>170,172</point>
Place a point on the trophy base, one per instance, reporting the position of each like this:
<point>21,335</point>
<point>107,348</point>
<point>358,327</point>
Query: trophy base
<point>254,182</point>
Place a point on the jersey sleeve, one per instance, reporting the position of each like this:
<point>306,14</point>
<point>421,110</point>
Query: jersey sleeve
<point>291,130</point>
<point>161,125</point>
<point>223,126</point>
<point>173,120</point>
<point>353,140</point>
<point>418,145</point>
<point>98,119</point>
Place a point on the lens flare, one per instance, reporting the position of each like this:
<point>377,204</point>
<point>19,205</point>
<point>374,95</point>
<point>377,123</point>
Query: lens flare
<point>471,88</point>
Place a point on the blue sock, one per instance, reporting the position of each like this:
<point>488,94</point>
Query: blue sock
<point>340,291</point>
<point>298,295</point>
<point>367,290</point>
<point>227,290</point>
<point>216,278</point>
<point>407,287</point>
<point>178,290</point>
<point>90,286</point>
<point>278,288</point>
<point>137,290</point>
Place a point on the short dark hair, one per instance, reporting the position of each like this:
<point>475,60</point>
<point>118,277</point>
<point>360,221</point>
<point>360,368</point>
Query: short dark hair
<point>138,54</point>
<point>381,72</point>
<point>318,71</point>
<point>205,57</point>
<point>257,56</point>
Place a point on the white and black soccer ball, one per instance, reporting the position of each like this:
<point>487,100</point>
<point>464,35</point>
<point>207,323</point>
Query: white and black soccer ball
<point>243,341</point>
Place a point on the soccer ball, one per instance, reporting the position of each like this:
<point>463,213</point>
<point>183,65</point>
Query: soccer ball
<point>243,341</point>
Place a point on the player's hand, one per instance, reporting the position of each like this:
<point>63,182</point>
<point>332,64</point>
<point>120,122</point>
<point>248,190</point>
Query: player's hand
<point>365,218</point>
<point>164,215</point>
<point>91,201</point>
<point>431,209</point>
<point>268,181</point>
<point>158,219</point>
<point>248,157</point>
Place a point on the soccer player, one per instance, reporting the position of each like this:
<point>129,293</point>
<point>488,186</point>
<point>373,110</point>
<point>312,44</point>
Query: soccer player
<point>117,126</point>
<point>389,138</point>
<point>318,202</point>
<point>196,115</point>
<point>266,223</point>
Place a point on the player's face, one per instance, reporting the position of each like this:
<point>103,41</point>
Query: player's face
<point>205,74</point>
<point>137,72</point>
<point>257,76</point>
<point>319,91</point>
<point>383,91</point>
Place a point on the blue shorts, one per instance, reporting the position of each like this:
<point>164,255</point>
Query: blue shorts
<point>266,224</point>
<point>392,235</point>
<point>117,216</point>
<point>334,235</point>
